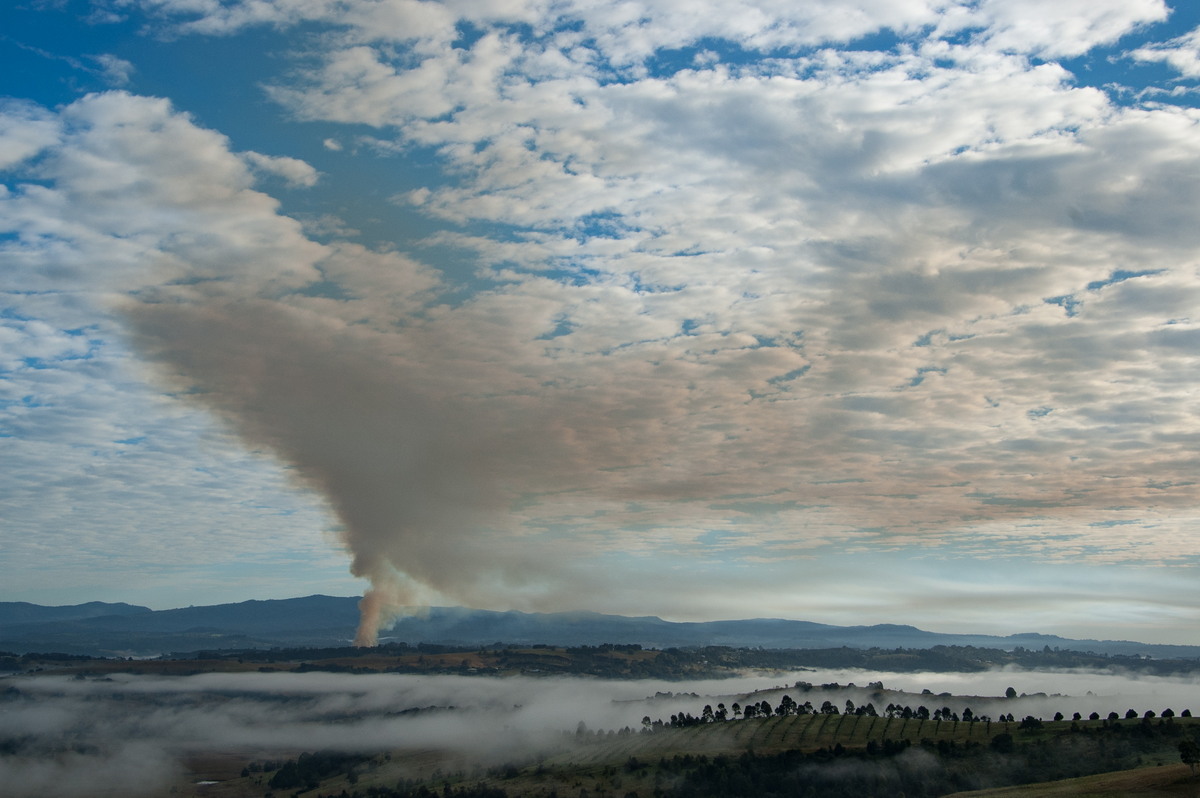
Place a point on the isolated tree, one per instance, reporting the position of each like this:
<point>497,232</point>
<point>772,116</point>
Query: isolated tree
<point>1113,716</point>
<point>1058,716</point>
<point>1010,693</point>
<point>1003,743</point>
<point>1189,754</point>
<point>1131,713</point>
<point>737,709</point>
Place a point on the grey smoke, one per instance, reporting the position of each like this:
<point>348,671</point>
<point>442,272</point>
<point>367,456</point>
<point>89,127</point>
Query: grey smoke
<point>411,473</point>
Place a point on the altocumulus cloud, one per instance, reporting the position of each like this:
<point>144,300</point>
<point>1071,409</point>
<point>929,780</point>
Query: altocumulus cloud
<point>740,291</point>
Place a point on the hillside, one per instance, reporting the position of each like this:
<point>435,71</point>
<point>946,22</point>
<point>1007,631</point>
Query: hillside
<point>98,629</point>
<point>827,755</point>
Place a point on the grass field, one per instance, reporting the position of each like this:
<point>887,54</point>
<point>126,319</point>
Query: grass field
<point>1144,782</point>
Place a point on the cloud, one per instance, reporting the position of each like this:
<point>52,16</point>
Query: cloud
<point>1181,53</point>
<point>25,130</point>
<point>799,296</point>
<point>295,172</point>
<point>117,72</point>
<point>1068,29</point>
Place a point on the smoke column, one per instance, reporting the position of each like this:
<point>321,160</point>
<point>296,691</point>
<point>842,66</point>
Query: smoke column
<point>404,471</point>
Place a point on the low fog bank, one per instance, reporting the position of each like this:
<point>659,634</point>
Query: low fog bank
<point>1039,693</point>
<point>63,736</point>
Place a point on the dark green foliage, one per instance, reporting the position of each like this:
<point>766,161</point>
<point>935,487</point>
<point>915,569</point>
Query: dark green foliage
<point>309,770</point>
<point>1189,754</point>
<point>924,771</point>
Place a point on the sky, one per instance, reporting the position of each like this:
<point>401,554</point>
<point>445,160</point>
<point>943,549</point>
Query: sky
<point>851,311</point>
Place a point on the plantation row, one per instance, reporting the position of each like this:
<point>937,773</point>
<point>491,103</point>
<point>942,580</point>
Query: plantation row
<point>814,732</point>
<point>814,756</point>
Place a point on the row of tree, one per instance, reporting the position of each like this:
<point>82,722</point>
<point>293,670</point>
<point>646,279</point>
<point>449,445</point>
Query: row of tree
<point>789,706</point>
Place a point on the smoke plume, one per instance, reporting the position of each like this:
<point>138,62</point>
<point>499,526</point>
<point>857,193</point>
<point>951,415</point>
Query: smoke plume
<point>405,474</point>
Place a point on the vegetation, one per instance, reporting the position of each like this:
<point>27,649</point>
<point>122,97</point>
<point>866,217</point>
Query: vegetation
<point>606,661</point>
<point>817,754</point>
<point>804,743</point>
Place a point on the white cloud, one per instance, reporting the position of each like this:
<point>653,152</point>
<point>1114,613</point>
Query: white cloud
<point>1062,29</point>
<point>1181,54</point>
<point>117,72</point>
<point>25,130</point>
<point>294,171</point>
<point>936,296</point>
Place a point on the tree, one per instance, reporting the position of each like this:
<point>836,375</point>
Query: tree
<point>1189,754</point>
<point>1010,693</point>
<point>1131,713</point>
<point>1003,743</point>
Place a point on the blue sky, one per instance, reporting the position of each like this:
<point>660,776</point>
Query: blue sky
<point>855,312</point>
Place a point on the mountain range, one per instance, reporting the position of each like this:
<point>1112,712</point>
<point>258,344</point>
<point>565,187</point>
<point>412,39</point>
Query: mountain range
<point>104,629</point>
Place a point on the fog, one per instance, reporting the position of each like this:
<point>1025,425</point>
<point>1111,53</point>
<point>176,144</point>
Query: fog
<point>63,736</point>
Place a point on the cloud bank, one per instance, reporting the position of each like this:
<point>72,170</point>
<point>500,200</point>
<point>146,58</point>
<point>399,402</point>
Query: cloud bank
<point>738,292</point>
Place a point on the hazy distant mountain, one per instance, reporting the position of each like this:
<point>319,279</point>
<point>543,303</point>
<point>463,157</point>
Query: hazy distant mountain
<point>124,630</point>
<point>17,612</point>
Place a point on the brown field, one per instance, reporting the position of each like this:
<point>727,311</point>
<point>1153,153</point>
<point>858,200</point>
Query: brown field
<point>1145,782</point>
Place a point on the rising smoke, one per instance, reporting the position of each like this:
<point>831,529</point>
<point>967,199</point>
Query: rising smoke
<point>406,473</point>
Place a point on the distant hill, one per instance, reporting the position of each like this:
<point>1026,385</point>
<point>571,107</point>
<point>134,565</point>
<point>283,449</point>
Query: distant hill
<point>18,612</point>
<point>100,629</point>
